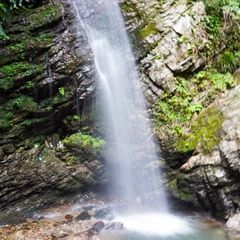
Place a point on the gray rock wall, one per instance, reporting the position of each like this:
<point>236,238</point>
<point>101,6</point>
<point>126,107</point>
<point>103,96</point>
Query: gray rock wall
<point>46,89</point>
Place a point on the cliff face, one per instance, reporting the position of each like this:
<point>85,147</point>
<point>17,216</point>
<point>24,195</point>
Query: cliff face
<point>46,85</point>
<point>187,53</point>
<point>168,37</point>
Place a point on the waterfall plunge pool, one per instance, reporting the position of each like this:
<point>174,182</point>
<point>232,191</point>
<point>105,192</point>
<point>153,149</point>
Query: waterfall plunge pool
<point>163,227</point>
<point>140,226</point>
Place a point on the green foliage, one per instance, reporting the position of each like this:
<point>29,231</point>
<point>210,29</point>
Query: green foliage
<point>27,43</point>
<point>9,74</point>
<point>33,121</point>
<point>223,26</point>
<point>191,95</point>
<point>61,90</point>
<point>18,3</point>
<point>76,118</point>
<point>213,25</point>
<point>218,81</point>
<point>44,15</point>
<point>6,7</point>
<point>84,141</point>
<point>228,61</point>
<point>178,107</point>
<point>19,104</point>
<point>204,134</point>
<point>36,18</point>
<point>22,103</point>
<point>3,35</point>
<point>148,30</point>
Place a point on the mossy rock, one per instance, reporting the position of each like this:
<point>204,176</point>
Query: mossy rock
<point>11,74</point>
<point>179,191</point>
<point>205,133</point>
<point>44,15</point>
<point>85,142</point>
<point>28,43</point>
<point>11,111</point>
<point>149,29</point>
<point>34,18</point>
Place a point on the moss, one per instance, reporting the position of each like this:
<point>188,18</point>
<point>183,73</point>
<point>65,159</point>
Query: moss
<point>127,7</point>
<point>33,121</point>
<point>10,109</point>
<point>180,193</point>
<point>29,43</point>
<point>84,141</point>
<point>5,119</point>
<point>10,74</point>
<point>70,159</point>
<point>204,134</point>
<point>43,16</point>
<point>173,111</point>
<point>148,30</point>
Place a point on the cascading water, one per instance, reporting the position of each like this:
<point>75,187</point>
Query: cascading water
<point>132,154</point>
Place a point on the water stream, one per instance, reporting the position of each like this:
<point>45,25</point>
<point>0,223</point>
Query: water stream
<point>132,154</point>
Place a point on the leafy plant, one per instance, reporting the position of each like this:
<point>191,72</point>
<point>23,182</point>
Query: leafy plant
<point>61,90</point>
<point>6,7</point>
<point>228,61</point>
<point>84,141</point>
<point>190,97</point>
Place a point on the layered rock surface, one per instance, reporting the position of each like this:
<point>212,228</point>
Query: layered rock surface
<point>46,87</point>
<point>168,37</point>
<point>212,179</point>
<point>47,77</point>
<point>179,56</point>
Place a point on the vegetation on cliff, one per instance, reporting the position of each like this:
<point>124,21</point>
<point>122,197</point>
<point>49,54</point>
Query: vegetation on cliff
<point>176,112</point>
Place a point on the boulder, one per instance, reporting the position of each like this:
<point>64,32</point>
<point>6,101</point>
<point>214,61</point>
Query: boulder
<point>84,215</point>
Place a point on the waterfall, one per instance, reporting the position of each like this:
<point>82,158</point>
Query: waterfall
<point>131,152</point>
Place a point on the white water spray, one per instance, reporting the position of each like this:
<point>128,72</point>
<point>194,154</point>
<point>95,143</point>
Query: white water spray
<point>132,154</point>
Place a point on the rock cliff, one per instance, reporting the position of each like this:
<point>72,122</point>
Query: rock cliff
<point>187,53</point>
<point>46,87</point>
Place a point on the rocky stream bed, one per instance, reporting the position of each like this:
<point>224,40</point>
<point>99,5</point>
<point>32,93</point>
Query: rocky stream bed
<point>94,220</point>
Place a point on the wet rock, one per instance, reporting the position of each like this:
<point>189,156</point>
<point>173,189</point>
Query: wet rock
<point>88,207</point>
<point>211,179</point>
<point>115,226</point>
<point>1,155</point>
<point>97,227</point>
<point>233,223</point>
<point>55,71</point>
<point>163,47</point>
<point>81,236</point>
<point>84,215</point>
<point>60,234</point>
<point>103,213</point>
